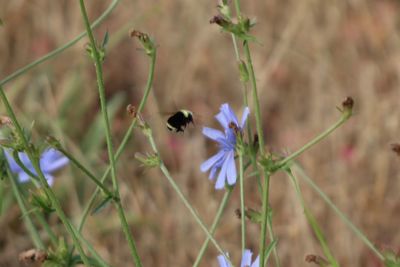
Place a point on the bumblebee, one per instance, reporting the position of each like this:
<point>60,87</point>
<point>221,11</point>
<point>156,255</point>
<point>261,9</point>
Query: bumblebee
<point>179,121</point>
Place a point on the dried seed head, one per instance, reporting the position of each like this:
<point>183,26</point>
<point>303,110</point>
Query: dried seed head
<point>348,103</point>
<point>238,213</point>
<point>317,260</point>
<point>131,109</point>
<point>220,20</point>
<point>32,256</point>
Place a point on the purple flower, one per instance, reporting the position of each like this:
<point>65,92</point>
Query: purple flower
<point>224,159</point>
<point>50,161</point>
<point>246,260</point>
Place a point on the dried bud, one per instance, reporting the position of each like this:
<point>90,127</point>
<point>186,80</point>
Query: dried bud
<point>145,40</point>
<point>32,256</point>
<point>396,148</point>
<point>317,260</point>
<point>220,20</point>
<point>238,213</point>
<point>347,107</point>
<point>131,109</point>
<point>348,103</point>
<point>5,121</point>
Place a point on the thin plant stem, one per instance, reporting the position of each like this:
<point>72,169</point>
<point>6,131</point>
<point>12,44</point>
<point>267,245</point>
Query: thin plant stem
<point>313,222</point>
<point>214,225</point>
<point>60,49</point>
<point>265,210</point>
<point>46,226</point>
<point>242,211</point>
<point>256,101</point>
<point>272,238</point>
<point>91,249</point>
<point>86,171</point>
<point>35,164</point>
<point>125,139</point>
<point>256,104</point>
<point>102,96</point>
<point>341,215</point>
<point>316,140</point>
<point>33,232</point>
<point>180,194</point>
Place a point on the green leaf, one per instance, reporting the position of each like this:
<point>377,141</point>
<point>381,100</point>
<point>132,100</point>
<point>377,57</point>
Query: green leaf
<point>101,205</point>
<point>105,40</point>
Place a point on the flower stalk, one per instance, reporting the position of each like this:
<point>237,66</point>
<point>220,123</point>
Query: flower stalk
<point>100,82</point>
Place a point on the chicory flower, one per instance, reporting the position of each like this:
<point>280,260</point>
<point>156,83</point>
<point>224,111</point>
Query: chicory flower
<point>224,160</point>
<point>246,260</point>
<point>50,161</point>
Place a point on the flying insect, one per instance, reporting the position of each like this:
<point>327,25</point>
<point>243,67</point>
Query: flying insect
<point>178,121</point>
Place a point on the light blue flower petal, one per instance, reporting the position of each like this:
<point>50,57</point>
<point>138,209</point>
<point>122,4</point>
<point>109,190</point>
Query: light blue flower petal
<point>222,261</point>
<point>231,169</point>
<point>52,160</point>
<point>246,258</point>
<point>256,263</point>
<point>245,114</point>
<point>222,174</point>
<point>213,172</point>
<point>213,133</point>
<point>206,165</point>
<point>15,168</point>
<point>222,120</point>
<point>23,177</point>
<point>23,157</point>
<point>229,114</point>
<point>49,178</point>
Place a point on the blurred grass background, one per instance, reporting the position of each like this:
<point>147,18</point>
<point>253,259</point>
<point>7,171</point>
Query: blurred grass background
<point>312,55</point>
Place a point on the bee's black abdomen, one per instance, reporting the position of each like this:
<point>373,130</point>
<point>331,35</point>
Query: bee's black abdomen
<point>179,121</point>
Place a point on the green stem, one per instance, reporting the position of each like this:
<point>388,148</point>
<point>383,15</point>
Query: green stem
<point>33,232</point>
<point>272,239</point>
<point>35,164</point>
<point>242,211</point>
<point>102,92</point>
<point>46,226</point>
<point>313,222</point>
<point>256,101</point>
<point>341,215</point>
<point>91,249</point>
<point>175,186</point>
<point>265,210</point>
<point>214,225</point>
<point>316,140</point>
<point>59,50</point>
<point>125,139</point>
<point>102,96</point>
<point>86,171</point>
